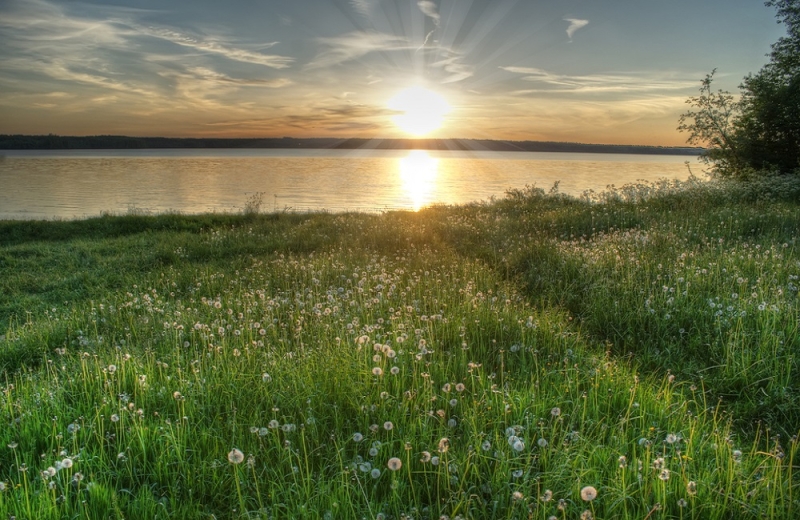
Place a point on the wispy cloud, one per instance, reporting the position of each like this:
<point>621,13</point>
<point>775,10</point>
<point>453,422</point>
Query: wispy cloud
<point>430,10</point>
<point>574,25</point>
<point>356,44</point>
<point>363,7</point>
<point>216,46</point>
<point>457,71</point>
<point>206,74</point>
<point>597,83</point>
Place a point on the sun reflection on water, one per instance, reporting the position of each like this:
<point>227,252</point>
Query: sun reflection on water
<point>418,172</point>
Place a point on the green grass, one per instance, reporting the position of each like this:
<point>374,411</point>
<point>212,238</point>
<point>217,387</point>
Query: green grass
<point>509,355</point>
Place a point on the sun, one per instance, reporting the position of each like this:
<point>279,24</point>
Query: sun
<point>420,111</point>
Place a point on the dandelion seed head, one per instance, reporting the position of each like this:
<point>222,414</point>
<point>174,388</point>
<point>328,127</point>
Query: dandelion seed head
<point>588,493</point>
<point>235,456</point>
<point>394,464</point>
<point>357,437</point>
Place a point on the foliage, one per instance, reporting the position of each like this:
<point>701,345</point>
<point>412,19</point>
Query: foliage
<point>711,123</point>
<point>760,132</point>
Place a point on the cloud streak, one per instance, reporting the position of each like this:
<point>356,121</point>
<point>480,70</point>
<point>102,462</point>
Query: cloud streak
<point>353,45</point>
<point>214,46</point>
<point>429,9</point>
<point>574,25</point>
<point>591,84</point>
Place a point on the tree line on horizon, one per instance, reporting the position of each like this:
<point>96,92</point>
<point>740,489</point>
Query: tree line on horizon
<point>758,132</point>
<point>106,142</point>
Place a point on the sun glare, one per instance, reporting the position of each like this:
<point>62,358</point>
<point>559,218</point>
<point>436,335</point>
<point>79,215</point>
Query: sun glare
<point>420,110</point>
<point>418,172</point>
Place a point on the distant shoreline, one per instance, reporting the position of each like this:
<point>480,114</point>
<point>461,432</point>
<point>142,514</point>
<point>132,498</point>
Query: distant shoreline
<point>112,142</point>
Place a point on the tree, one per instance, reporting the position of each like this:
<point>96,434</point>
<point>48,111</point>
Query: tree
<point>761,130</point>
<point>711,123</point>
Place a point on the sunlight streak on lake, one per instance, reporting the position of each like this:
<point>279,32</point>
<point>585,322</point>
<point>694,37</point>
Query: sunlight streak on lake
<point>418,173</point>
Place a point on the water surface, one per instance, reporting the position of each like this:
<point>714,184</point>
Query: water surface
<point>85,183</point>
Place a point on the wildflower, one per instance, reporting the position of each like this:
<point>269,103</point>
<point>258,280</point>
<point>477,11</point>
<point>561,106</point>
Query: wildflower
<point>460,387</point>
<point>451,423</point>
<point>426,457</point>
<point>357,437</point>
<point>542,443</point>
<point>235,456</point>
<point>562,504</point>
<point>588,493</point>
<point>66,463</point>
<point>176,395</point>
<point>664,474</point>
<point>671,438</point>
<point>682,503</point>
<point>517,473</point>
<point>377,371</point>
<point>516,495</point>
<point>2,486</point>
<point>587,515</point>
<point>388,425</point>
<point>555,412</point>
<point>266,378</point>
<point>623,461</point>
<point>486,446</point>
<point>395,370</point>
<point>444,445</point>
<point>375,473</point>
<point>518,445</point>
<point>435,461</point>
<point>394,464</point>
<point>114,418</point>
<point>273,424</point>
<point>547,496</point>
<point>112,369</point>
<point>691,487</point>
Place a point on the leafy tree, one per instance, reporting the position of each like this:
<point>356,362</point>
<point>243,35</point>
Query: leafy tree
<point>711,123</point>
<point>760,131</point>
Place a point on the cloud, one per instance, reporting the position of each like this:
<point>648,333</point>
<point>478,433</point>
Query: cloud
<point>215,46</point>
<point>363,7</point>
<point>430,10</point>
<point>574,25</point>
<point>457,71</point>
<point>205,74</point>
<point>356,44</point>
<point>595,83</point>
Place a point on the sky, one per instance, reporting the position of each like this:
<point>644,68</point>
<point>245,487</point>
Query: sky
<point>592,71</point>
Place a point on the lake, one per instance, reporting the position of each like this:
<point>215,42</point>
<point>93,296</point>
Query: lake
<point>68,184</point>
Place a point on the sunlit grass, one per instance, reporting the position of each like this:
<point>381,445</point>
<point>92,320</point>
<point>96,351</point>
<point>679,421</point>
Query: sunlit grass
<point>535,357</point>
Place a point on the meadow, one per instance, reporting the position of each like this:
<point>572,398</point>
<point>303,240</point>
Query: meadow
<point>631,354</point>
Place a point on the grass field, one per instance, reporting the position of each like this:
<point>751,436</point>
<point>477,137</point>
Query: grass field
<point>632,355</point>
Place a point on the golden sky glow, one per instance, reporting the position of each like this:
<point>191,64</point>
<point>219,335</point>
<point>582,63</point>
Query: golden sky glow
<point>576,70</point>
